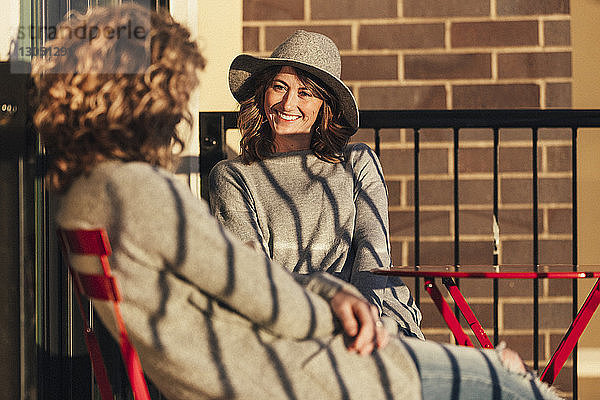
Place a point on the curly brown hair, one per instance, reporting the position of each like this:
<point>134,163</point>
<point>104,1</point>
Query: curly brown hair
<point>330,133</point>
<point>118,93</point>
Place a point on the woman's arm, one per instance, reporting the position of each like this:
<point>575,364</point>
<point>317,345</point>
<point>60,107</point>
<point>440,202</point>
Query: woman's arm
<point>370,240</point>
<point>232,205</point>
<point>165,221</point>
<point>371,244</point>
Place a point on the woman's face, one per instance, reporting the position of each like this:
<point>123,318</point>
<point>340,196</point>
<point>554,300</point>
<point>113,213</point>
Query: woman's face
<point>291,108</point>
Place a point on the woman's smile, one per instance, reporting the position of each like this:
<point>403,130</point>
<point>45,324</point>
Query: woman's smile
<point>287,117</point>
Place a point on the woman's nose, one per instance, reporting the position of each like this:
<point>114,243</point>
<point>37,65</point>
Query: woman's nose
<point>290,100</point>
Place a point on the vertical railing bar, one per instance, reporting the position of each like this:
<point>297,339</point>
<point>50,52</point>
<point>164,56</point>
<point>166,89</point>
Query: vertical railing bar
<point>456,213</point>
<point>574,245</point>
<point>377,139</point>
<point>49,312</point>
<point>535,202</point>
<point>496,231</point>
<point>417,238</point>
<point>456,201</point>
<point>22,285</point>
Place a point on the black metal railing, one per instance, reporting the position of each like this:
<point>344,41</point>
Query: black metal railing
<point>213,127</point>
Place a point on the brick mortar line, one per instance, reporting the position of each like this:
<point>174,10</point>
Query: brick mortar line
<point>455,82</point>
<point>410,145</point>
<point>438,51</point>
<point>518,236</point>
<point>262,39</point>
<point>506,300</point>
<point>544,155</point>
<point>437,331</point>
<point>486,207</point>
<point>354,32</point>
<point>447,35</point>
<point>511,299</point>
<point>442,51</point>
<point>541,174</point>
<point>479,237</point>
<point>489,329</point>
<point>307,11</point>
<point>405,251</point>
<point>403,193</point>
<point>494,64</point>
<point>401,71</point>
<point>549,349</point>
<point>546,332</point>
<point>467,143</point>
<point>469,208</point>
<point>526,300</point>
<point>541,32</point>
<point>476,237</point>
<point>475,177</point>
<point>479,175</point>
<point>423,83</point>
<point>449,95</point>
<point>404,146</point>
<point>473,144</point>
<point>408,20</point>
<point>543,101</point>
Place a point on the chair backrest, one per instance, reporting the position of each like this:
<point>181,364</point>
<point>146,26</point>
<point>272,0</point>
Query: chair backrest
<point>101,286</point>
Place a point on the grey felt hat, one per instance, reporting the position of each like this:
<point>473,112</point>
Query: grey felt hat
<point>308,51</point>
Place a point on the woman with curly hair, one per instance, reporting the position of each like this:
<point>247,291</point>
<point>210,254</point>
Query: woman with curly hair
<point>210,317</point>
<point>299,191</point>
<point>118,93</point>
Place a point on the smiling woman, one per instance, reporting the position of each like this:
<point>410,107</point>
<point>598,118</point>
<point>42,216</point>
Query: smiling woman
<point>299,191</point>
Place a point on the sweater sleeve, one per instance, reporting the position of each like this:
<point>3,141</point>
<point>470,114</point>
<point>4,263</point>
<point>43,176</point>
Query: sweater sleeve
<point>165,220</point>
<point>232,204</point>
<point>371,243</point>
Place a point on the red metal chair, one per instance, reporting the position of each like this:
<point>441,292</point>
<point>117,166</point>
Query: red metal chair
<point>101,286</point>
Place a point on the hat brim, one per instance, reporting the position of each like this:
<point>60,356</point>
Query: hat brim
<point>244,66</point>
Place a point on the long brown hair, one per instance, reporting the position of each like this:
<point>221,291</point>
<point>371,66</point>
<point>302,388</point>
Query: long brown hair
<point>329,136</point>
<point>114,99</point>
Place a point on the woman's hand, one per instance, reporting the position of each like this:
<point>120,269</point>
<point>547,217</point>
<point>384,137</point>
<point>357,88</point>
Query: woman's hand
<point>360,321</point>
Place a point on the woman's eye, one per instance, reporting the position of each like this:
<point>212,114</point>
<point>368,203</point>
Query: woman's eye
<point>305,93</point>
<point>278,87</point>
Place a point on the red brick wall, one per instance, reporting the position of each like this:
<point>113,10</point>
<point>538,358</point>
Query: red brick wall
<point>439,54</point>
<point>419,54</point>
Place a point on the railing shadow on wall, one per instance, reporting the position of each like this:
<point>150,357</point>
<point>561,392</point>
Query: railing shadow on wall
<point>375,125</point>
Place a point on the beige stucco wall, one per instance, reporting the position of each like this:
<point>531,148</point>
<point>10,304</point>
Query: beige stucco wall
<point>585,30</point>
<point>217,27</point>
<point>9,21</point>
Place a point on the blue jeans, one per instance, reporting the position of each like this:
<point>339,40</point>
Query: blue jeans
<point>461,373</point>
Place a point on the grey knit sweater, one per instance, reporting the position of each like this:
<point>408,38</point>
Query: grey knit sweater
<point>311,215</point>
<point>210,317</point>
